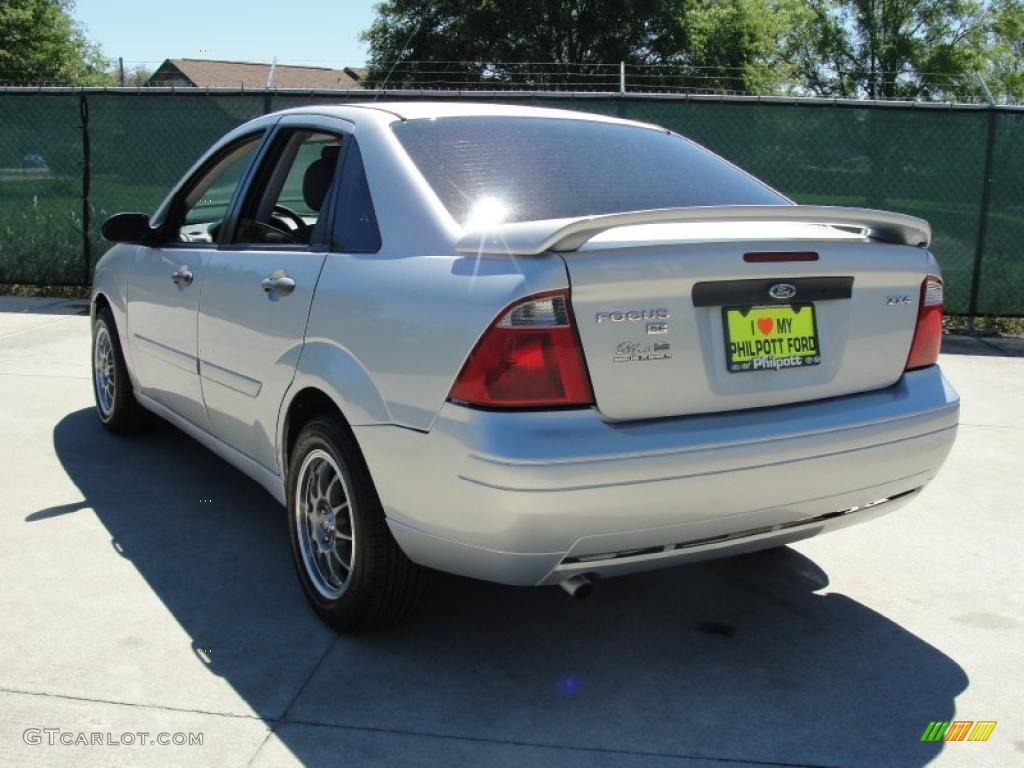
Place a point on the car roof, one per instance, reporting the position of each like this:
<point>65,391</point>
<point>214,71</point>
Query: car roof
<point>425,110</point>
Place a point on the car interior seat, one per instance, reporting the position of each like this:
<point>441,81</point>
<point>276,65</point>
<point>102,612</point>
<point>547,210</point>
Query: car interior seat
<point>318,177</point>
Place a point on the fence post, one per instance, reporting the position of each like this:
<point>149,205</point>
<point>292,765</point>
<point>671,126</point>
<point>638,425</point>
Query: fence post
<point>986,195</point>
<point>83,111</point>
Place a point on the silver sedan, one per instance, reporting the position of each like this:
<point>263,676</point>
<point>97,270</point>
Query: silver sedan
<point>523,345</point>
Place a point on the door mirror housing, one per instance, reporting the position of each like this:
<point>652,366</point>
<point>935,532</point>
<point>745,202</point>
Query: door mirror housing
<point>128,228</point>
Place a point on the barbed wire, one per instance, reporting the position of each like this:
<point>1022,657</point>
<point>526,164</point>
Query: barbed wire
<point>613,67</point>
<point>605,77</point>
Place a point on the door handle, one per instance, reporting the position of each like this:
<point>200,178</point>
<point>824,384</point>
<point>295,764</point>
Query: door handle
<point>278,283</point>
<point>183,276</point>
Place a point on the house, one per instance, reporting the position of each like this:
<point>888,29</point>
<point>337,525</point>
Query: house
<point>208,73</point>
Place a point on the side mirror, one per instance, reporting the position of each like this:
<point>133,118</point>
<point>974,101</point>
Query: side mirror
<point>128,228</point>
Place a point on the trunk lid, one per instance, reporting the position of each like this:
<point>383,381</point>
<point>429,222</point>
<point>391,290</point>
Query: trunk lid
<point>648,301</point>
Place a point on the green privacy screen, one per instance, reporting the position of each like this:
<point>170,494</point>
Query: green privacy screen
<point>926,161</point>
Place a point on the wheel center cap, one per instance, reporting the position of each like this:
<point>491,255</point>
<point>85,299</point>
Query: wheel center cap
<point>325,527</point>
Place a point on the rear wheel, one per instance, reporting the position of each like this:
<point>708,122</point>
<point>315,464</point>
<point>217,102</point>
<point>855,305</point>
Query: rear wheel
<point>115,400</point>
<point>350,567</point>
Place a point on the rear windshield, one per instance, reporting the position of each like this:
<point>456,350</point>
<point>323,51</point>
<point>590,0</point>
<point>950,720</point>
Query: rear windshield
<point>488,170</point>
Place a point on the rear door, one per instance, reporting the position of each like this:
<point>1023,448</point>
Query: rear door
<point>696,318</point>
<point>166,281</point>
<point>259,284</point>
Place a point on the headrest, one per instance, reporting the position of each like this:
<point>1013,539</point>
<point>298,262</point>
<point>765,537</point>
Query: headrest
<point>318,176</point>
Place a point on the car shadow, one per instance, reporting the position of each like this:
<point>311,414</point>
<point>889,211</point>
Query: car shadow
<point>749,658</point>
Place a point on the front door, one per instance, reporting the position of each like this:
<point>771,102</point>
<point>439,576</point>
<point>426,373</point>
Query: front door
<point>166,280</point>
<point>259,285</point>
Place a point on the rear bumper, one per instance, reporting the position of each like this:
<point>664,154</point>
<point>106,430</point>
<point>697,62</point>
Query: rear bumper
<point>533,497</point>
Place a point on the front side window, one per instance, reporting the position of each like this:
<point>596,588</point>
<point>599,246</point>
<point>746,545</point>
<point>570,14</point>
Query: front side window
<point>288,195</point>
<point>489,170</point>
<point>198,214</point>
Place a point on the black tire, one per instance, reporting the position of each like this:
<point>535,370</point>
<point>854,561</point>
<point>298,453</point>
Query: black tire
<point>383,584</point>
<point>124,415</point>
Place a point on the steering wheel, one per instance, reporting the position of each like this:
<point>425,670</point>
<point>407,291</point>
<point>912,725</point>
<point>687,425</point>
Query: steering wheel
<point>288,214</point>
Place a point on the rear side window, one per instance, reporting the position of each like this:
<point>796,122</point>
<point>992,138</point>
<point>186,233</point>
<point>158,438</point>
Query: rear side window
<point>355,222</point>
<point>505,169</point>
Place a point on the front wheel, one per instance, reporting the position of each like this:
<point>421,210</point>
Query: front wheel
<point>350,567</point>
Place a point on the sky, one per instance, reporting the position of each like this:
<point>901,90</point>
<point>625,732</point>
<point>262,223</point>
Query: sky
<point>319,32</point>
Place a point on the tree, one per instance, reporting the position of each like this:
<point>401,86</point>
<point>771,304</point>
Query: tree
<point>737,45</point>
<point>697,44</point>
<point>1005,73</point>
<point>914,49</point>
<point>533,43</point>
<point>41,43</point>
<point>137,75</point>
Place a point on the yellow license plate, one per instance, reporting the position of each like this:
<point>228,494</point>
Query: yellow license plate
<point>772,338</point>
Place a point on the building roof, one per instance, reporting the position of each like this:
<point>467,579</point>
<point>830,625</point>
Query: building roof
<point>208,73</point>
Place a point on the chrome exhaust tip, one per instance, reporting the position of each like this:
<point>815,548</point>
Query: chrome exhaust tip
<point>577,587</point>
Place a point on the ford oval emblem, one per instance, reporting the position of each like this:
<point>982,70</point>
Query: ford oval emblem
<point>782,291</point>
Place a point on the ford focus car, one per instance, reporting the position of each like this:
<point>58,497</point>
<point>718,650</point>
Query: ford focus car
<point>523,345</point>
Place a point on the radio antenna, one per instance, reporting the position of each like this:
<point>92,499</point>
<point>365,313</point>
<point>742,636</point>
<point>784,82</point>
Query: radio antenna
<point>399,57</point>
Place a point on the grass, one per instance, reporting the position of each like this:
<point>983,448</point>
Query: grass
<point>40,231</point>
<point>954,235</point>
<point>955,324</point>
<point>41,236</point>
<point>41,225</point>
<point>984,326</point>
<point>46,291</point>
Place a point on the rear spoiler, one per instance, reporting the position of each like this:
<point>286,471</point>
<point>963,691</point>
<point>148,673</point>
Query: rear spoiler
<point>527,238</point>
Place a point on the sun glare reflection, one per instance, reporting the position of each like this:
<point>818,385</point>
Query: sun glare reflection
<point>486,212</point>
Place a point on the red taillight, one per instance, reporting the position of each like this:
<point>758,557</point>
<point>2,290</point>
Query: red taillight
<point>924,350</point>
<point>529,357</point>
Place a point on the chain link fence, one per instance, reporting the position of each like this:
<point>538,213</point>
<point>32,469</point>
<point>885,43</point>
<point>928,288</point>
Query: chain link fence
<point>70,158</point>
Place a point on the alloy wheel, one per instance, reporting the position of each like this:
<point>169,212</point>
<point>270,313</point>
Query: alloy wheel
<point>323,523</point>
<point>103,371</point>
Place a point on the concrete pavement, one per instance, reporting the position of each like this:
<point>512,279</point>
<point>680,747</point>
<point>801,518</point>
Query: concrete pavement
<point>147,587</point>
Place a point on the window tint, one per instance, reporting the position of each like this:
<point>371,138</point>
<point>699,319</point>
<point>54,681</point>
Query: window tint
<point>491,169</point>
<point>355,223</point>
<point>284,202</point>
<point>198,214</point>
